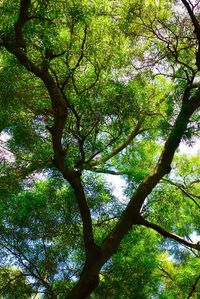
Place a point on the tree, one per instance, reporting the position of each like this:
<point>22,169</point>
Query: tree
<point>91,88</point>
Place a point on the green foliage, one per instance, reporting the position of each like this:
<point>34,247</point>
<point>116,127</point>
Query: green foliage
<point>13,284</point>
<point>130,273</point>
<point>122,68</point>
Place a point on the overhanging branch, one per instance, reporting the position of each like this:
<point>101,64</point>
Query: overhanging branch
<point>167,234</point>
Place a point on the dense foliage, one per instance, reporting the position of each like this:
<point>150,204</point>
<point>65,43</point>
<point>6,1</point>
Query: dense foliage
<point>90,92</point>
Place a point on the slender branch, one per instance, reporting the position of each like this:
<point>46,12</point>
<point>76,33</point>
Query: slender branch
<point>11,280</point>
<point>167,274</point>
<point>196,25</point>
<point>195,182</point>
<point>120,147</point>
<point>31,267</point>
<point>184,191</point>
<point>193,18</point>
<point>193,287</point>
<point>72,70</point>
<point>111,141</point>
<point>106,171</point>
<point>103,221</point>
<point>173,50</point>
<point>97,73</point>
<point>167,234</point>
<point>5,148</point>
<point>82,49</point>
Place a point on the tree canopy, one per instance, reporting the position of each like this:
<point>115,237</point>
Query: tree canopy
<point>91,91</point>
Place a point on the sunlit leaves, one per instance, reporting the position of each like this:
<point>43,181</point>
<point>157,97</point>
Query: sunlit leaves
<point>13,283</point>
<point>122,68</point>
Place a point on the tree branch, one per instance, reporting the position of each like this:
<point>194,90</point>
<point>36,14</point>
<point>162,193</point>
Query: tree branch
<point>23,17</point>
<point>120,147</point>
<point>31,267</point>
<point>193,287</point>
<point>97,73</point>
<point>167,234</point>
<point>72,70</point>
<point>58,102</point>
<point>193,18</point>
<point>165,272</point>
<point>82,49</point>
<point>10,281</point>
<point>184,191</point>
<point>106,171</point>
<point>196,25</point>
<point>90,247</point>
